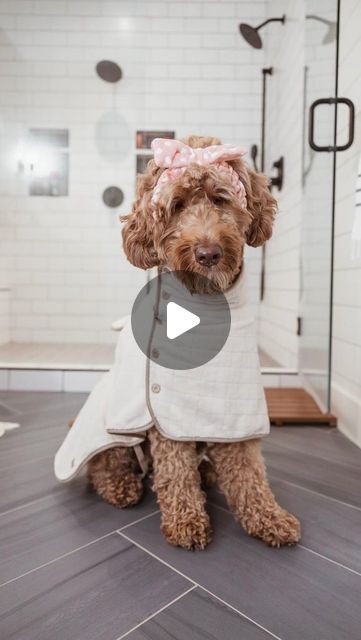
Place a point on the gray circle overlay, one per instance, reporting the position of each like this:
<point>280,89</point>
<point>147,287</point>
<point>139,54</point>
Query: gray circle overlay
<point>194,347</point>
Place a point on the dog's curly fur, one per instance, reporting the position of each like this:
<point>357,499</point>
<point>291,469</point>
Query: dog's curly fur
<point>198,208</point>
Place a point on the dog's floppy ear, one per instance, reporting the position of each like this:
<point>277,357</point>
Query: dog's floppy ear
<point>262,207</point>
<point>138,231</point>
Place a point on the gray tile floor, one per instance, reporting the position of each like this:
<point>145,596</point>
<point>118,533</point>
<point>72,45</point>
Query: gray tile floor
<point>74,568</point>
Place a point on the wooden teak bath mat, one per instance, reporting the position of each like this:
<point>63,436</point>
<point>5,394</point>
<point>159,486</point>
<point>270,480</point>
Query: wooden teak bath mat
<point>295,406</point>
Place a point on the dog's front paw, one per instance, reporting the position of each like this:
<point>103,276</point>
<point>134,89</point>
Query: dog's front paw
<point>282,529</point>
<point>187,530</point>
<point>277,529</point>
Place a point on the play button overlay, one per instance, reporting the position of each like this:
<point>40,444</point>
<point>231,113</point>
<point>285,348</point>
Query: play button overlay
<point>179,320</point>
<point>176,328</point>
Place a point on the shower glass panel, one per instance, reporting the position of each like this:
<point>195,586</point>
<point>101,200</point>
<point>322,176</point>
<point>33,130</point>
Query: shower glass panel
<point>320,76</point>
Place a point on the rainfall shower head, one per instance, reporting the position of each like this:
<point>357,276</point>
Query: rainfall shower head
<point>251,34</point>
<point>331,33</point>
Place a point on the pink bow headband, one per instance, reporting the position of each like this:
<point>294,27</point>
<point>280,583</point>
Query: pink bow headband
<point>175,156</point>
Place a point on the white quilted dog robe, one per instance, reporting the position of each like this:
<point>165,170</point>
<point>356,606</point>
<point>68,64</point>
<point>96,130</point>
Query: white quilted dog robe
<point>222,400</point>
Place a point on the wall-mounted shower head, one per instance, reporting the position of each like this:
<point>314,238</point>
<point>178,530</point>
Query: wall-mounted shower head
<point>251,34</point>
<point>331,33</point>
<point>109,71</point>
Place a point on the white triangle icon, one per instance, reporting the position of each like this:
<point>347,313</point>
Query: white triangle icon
<point>179,320</point>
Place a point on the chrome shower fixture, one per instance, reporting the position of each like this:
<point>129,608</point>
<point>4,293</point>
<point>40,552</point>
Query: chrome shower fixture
<point>251,34</point>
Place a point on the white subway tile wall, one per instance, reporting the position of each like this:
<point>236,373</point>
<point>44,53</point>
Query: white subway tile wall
<point>4,316</point>
<point>280,308</point>
<point>185,68</point>
<point>346,359</point>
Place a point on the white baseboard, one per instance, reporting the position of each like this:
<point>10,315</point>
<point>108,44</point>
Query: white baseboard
<point>347,407</point>
<point>49,380</point>
<point>39,379</point>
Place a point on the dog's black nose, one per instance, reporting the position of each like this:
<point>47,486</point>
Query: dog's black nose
<point>207,256</point>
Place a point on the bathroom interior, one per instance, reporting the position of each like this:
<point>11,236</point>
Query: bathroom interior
<point>85,85</point>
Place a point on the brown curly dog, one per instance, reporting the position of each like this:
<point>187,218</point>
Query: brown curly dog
<point>198,209</point>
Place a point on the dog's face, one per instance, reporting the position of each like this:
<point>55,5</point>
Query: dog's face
<point>199,227</point>
<point>202,228</point>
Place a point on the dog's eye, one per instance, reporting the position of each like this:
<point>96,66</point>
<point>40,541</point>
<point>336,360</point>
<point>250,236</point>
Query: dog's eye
<point>219,199</point>
<point>177,205</point>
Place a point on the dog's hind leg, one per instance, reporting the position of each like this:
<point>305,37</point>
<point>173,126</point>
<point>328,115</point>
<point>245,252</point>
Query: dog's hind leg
<point>177,483</point>
<point>113,474</point>
<point>242,478</point>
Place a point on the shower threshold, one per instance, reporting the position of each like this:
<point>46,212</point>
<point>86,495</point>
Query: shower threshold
<point>78,367</point>
<point>78,356</point>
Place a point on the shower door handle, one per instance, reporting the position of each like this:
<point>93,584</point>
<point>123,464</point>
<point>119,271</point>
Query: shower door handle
<point>351,124</point>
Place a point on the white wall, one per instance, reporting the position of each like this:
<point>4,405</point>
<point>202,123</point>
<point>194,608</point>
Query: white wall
<point>346,370</point>
<point>285,53</point>
<point>185,68</point>
<point>4,316</point>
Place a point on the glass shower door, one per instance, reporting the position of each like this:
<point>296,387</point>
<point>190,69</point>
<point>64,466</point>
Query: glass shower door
<point>320,81</point>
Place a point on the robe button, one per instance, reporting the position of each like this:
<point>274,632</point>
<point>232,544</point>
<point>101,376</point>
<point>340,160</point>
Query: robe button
<point>165,295</point>
<point>155,353</point>
<point>155,388</point>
